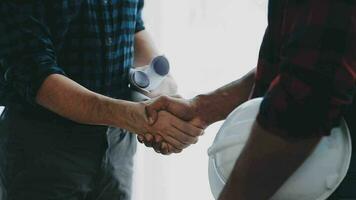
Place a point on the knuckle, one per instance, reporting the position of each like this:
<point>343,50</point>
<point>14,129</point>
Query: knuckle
<point>195,141</point>
<point>163,98</point>
<point>170,148</point>
<point>184,139</point>
<point>178,150</point>
<point>180,146</point>
<point>197,133</point>
<point>190,140</point>
<point>167,153</point>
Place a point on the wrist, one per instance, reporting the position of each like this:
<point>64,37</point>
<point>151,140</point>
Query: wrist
<point>130,116</point>
<point>201,105</point>
<point>108,111</point>
<point>113,111</point>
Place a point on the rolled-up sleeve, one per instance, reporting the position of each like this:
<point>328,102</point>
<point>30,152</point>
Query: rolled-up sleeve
<point>316,82</point>
<point>139,21</point>
<point>26,47</point>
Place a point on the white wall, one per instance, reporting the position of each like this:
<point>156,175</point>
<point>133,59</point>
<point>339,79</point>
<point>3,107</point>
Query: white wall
<point>209,43</point>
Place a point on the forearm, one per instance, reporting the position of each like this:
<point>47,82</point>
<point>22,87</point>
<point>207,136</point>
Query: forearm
<point>217,105</point>
<point>145,49</point>
<point>71,100</point>
<point>265,164</point>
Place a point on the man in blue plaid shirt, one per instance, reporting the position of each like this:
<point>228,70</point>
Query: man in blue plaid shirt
<point>65,65</point>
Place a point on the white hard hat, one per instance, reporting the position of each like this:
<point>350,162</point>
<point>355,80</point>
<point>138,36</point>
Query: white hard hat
<point>316,179</point>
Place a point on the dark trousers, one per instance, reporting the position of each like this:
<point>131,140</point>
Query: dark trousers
<point>47,161</point>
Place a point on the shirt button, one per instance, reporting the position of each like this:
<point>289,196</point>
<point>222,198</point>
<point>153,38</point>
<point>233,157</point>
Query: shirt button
<point>107,2</point>
<point>108,41</point>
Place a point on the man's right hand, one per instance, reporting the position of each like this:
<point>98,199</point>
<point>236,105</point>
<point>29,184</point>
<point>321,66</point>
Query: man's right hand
<point>184,109</point>
<point>178,133</point>
<point>202,110</point>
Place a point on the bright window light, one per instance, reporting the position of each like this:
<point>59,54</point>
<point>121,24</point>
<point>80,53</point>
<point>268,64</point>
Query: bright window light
<point>209,43</point>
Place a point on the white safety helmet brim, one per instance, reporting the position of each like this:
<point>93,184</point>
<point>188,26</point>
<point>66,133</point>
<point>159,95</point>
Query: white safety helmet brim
<point>316,179</point>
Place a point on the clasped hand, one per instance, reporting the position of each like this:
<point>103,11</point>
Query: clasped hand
<point>174,125</point>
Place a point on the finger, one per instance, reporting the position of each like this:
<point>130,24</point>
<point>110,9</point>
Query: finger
<point>202,133</point>
<point>157,150</point>
<point>154,106</point>
<point>173,150</point>
<point>198,123</point>
<point>158,138</point>
<point>168,149</point>
<point>149,137</point>
<point>180,108</point>
<point>148,140</point>
<point>177,96</point>
<point>140,138</point>
<point>187,128</point>
<point>157,142</point>
<point>164,148</point>
<point>181,136</point>
<point>175,142</point>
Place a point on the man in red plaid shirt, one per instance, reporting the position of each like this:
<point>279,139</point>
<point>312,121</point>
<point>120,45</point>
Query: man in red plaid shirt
<point>306,74</point>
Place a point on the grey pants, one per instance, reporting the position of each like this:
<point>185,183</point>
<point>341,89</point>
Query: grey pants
<point>51,162</point>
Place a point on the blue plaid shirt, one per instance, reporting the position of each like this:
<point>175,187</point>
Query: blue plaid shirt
<point>89,41</point>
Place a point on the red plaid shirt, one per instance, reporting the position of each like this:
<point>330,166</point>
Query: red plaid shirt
<point>307,66</point>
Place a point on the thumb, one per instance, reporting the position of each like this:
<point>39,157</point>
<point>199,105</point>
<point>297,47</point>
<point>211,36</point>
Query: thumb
<point>153,107</point>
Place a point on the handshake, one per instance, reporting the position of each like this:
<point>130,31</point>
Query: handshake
<point>173,124</point>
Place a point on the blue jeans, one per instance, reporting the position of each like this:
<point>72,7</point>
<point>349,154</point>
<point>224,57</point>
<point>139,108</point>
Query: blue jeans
<point>45,161</point>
